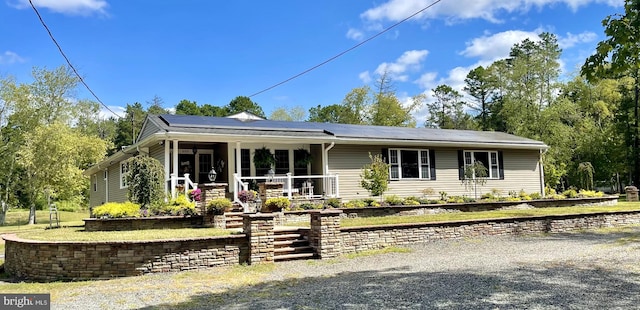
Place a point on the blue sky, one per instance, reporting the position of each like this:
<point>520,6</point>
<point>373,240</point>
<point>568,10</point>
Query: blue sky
<point>213,51</point>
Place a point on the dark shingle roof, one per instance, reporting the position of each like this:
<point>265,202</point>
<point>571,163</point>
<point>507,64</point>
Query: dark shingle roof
<point>231,126</point>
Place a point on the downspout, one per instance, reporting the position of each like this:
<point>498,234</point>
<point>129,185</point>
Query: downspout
<point>325,158</point>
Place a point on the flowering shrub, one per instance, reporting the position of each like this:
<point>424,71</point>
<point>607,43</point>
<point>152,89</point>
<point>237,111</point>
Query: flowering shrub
<point>195,194</point>
<point>246,196</point>
<point>178,206</point>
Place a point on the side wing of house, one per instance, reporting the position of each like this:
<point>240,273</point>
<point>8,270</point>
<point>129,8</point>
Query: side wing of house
<point>435,168</point>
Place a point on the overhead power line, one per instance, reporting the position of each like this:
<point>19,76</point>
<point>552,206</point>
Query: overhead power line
<point>347,50</point>
<point>68,61</point>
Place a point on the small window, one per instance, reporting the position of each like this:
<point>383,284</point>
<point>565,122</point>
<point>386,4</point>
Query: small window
<point>124,169</point>
<point>409,164</point>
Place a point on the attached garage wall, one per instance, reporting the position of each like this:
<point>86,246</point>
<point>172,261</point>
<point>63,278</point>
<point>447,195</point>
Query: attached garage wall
<point>521,172</point>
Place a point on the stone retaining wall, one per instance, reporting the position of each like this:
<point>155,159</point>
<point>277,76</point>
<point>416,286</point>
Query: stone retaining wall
<point>356,239</point>
<point>50,260</point>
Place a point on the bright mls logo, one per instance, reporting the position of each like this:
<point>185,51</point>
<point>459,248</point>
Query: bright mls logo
<point>25,301</point>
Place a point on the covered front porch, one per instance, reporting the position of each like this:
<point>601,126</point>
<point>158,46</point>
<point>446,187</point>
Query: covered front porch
<point>301,169</point>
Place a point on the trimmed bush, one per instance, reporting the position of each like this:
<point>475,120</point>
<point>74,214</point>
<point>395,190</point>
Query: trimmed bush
<point>219,205</point>
<point>535,196</point>
<point>334,202</point>
<point>276,204</point>
<point>393,200</point>
<point>570,193</point>
<point>178,206</point>
<point>356,203</point>
<point>590,194</point>
<point>117,210</point>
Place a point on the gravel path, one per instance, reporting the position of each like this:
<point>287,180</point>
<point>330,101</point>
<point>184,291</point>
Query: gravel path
<point>561,271</point>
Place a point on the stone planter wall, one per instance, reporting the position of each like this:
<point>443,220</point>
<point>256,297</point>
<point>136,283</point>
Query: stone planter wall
<point>355,239</point>
<point>52,261</point>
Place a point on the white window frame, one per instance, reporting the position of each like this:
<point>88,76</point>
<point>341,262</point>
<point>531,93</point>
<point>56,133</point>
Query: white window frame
<point>396,161</point>
<point>124,168</point>
<point>495,164</point>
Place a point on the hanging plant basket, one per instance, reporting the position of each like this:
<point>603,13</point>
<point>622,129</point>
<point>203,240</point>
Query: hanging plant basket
<point>263,158</point>
<point>304,158</point>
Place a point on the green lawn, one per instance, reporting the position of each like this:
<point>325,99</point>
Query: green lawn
<point>78,234</point>
<point>385,220</point>
<point>16,220</point>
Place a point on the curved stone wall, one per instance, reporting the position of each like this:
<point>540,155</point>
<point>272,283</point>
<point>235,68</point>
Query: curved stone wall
<point>55,260</point>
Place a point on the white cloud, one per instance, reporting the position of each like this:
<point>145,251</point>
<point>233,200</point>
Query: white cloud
<point>408,61</point>
<point>427,80</point>
<point>497,46</point>
<point>571,39</point>
<point>70,7</point>
<point>365,77</point>
<point>105,114</point>
<point>355,34</point>
<point>9,57</point>
<point>490,10</point>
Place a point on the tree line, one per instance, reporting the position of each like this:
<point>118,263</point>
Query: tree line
<point>589,121</point>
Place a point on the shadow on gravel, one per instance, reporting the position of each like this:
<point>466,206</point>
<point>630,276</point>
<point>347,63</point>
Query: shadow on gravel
<point>629,234</point>
<point>546,287</point>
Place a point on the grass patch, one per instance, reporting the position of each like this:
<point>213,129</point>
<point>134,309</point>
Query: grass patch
<point>78,234</point>
<point>387,220</point>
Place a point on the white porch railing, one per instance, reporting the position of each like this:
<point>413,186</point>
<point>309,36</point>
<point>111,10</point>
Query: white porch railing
<point>175,180</point>
<point>309,186</point>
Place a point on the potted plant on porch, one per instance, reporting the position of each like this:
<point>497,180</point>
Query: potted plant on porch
<point>263,158</point>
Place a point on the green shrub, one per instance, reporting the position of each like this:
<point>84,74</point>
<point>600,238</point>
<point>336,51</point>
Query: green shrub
<point>277,204</point>
<point>570,193</point>
<point>548,191</point>
<point>117,210</point>
<point>356,203</point>
<point>411,202</point>
<point>393,200</point>
<point>375,204</point>
<point>488,196</point>
<point>425,201</point>
<point>441,202</point>
<point>468,199</point>
<point>219,205</point>
<point>443,195</point>
<point>370,202</point>
<point>535,195</point>
<point>512,198</point>
<point>556,196</point>
<point>308,206</point>
<point>455,199</point>
<point>588,194</point>
<point>178,206</point>
<point>513,194</point>
<point>333,202</point>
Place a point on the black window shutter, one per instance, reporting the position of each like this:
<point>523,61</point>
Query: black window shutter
<point>432,164</point>
<point>460,165</point>
<point>385,155</point>
<point>501,165</point>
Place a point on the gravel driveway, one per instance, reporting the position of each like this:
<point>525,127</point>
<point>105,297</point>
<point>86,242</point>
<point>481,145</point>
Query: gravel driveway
<point>561,271</point>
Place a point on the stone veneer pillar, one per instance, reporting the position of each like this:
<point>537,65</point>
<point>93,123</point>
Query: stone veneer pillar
<point>325,233</point>
<point>211,191</point>
<point>259,230</point>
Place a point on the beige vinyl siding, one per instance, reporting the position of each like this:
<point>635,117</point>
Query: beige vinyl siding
<point>520,170</point>
<point>116,194</point>
<point>157,152</point>
<point>98,196</point>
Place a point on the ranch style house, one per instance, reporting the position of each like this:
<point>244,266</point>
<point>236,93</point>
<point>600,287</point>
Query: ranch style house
<point>318,160</point>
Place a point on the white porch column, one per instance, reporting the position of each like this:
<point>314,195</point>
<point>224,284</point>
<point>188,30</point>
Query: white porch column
<point>175,157</point>
<point>167,162</point>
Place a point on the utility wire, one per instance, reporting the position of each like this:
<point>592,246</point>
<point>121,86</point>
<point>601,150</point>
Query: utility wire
<point>69,62</point>
<point>347,50</point>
